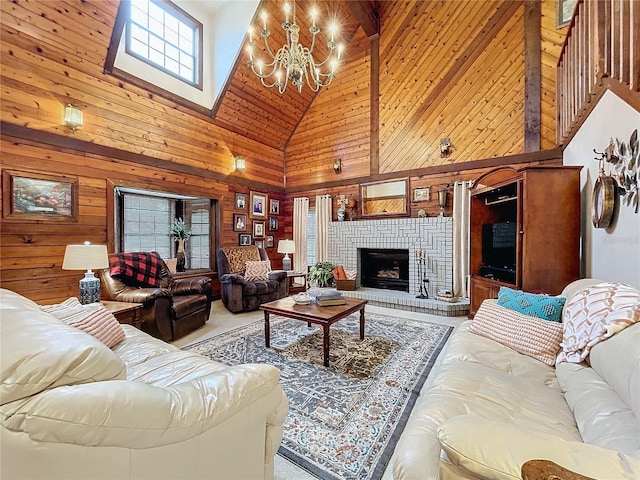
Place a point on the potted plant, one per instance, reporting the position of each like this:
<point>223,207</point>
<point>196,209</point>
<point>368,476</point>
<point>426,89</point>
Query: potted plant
<point>321,274</point>
<point>182,232</point>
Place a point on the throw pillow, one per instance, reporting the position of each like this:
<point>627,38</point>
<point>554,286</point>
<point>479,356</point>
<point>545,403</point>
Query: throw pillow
<point>537,305</point>
<point>339,273</point>
<point>256,271</point>
<point>93,319</point>
<point>527,335</point>
<point>71,310</point>
<point>101,323</point>
<point>595,314</point>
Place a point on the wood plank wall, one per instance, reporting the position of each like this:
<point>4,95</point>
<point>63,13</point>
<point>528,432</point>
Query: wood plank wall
<point>433,82</point>
<point>447,69</point>
<point>53,53</point>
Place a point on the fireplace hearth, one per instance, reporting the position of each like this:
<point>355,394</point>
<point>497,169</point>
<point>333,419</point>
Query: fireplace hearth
<point>385,268</point>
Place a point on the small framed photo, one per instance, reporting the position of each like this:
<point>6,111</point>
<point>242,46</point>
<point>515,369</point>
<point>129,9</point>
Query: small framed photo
<point>239,222</point>
<point>241,201</point>
<point>269,241</point>
<point>35,196</point>
<point>259,243</point>
<point>274,207</point>
<point>421,194</point>
<point>258,205</point>
<point>258,229</point>
<point>244,239</point>
<point>273,224</point>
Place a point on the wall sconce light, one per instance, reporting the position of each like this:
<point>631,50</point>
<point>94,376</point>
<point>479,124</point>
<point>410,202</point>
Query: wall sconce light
<point>337,165</point>
<point>72,117</point>
<point>445,147</point>
<point>241,164</point>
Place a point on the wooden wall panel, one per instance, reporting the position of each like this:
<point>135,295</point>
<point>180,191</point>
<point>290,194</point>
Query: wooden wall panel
<point>49,59</point>
<point>479,105</point>
<point>552,40</point>
<point>327,133</point>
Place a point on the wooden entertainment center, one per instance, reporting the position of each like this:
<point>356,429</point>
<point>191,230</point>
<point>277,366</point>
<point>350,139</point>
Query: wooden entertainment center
<point>525,231</point>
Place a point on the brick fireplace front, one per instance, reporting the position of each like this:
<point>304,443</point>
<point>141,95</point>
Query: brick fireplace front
<point>429,242</point>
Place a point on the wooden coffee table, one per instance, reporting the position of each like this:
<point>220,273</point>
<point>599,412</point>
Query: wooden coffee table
<point>325,316</point>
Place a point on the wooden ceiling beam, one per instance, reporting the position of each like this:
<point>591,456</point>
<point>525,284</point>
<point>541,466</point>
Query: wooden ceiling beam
<point>366,14</point>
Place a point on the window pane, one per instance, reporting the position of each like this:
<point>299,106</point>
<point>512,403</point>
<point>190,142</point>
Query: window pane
<point>311,237</point>
<point>164,31</point>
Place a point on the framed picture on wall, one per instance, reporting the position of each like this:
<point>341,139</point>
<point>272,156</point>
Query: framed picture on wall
<point>38,196</point>
<point>421,194</point>
<point>273,224</point>
<point>239,222</point>
<point>258,229</point>
<point>258,205</point>
<point>241,201</point>
<point>269,241</point>
<point>274,207</point>
<point>259,243</point>
<point>244,239</point>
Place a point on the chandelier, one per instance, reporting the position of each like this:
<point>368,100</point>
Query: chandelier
<point>293,62</point>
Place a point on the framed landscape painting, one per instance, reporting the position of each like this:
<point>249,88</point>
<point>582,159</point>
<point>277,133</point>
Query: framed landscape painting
<point>39,196</point>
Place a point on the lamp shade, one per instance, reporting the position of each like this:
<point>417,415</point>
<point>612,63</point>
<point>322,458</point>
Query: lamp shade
<point>85,257</point>
<point>286,246</point>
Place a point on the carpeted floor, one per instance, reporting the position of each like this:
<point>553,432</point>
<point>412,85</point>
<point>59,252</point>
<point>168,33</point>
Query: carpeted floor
<point>344,420</point>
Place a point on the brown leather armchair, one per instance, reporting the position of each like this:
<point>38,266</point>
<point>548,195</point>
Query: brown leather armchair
<point>173,308</point>
<point>239,294</point>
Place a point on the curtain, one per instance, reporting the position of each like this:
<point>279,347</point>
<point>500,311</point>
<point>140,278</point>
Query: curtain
<point>461,240</point>
<point>323,217</point>
<point>300,214</point>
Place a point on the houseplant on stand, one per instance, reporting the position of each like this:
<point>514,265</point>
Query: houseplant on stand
<point>181,232</point>
<point>321,274</point>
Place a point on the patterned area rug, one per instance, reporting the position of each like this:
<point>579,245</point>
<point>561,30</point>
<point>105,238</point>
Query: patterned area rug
<point>345,420</point>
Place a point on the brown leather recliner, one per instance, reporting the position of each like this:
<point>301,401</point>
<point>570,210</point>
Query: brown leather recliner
<point>170,310</point>
<point>239,294</point>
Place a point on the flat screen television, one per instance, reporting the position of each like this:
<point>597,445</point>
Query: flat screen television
<point>499,245</point>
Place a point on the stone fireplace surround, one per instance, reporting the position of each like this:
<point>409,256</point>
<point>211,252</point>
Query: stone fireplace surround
<point>433,235</point>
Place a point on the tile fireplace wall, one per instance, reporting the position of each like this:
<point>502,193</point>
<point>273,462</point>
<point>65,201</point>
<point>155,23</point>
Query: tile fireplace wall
<point>434,235</point>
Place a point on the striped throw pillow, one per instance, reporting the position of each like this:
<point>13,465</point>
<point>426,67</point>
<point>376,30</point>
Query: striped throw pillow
<point>531,336</point>
<point>93,319</point>
<point>257,271</point>
<point>101,323</point>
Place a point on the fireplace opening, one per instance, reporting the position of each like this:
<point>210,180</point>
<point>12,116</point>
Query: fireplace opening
<point>385,268</point>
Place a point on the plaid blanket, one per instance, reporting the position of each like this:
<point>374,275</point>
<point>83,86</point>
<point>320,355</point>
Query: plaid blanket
<point>137,268</point>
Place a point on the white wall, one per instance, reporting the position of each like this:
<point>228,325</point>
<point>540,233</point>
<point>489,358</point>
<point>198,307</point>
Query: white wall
<point>611,254</point>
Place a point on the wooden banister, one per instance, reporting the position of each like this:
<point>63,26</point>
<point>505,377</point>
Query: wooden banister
<point>603,42</point>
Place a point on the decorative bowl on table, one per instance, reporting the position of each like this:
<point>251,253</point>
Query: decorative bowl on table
<point>302,298</point>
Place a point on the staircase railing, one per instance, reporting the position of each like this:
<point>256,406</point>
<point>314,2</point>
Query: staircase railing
<point>602,46</point>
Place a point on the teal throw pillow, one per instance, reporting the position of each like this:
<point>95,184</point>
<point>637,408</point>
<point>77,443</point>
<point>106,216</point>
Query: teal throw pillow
<point>537,305</point>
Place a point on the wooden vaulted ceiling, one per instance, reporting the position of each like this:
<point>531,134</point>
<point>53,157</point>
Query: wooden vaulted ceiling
<point>263,114</point>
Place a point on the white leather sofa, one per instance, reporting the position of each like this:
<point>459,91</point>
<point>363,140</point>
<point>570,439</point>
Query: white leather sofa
<point>491,409</point>
<point>74,409</point>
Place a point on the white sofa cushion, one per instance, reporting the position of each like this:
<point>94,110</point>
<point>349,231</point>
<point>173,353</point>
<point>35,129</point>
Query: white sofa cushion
<point>39,353</point>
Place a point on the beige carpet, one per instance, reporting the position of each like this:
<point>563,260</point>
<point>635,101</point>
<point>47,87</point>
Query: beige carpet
<point>222,321</point>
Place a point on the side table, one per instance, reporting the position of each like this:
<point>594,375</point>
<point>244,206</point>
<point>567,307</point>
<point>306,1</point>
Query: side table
<point>125,312</point>
<point>292,287</point>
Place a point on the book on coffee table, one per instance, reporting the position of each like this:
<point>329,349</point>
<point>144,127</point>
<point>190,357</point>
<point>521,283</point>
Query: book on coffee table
<point>329,303</point>
<point>329,299</point>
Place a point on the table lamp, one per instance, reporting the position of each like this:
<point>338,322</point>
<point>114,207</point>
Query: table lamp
<point>86,257</point>
<point>286,247</point>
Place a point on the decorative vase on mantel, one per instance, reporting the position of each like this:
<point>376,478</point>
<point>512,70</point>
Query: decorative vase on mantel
<point>180,257</point>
